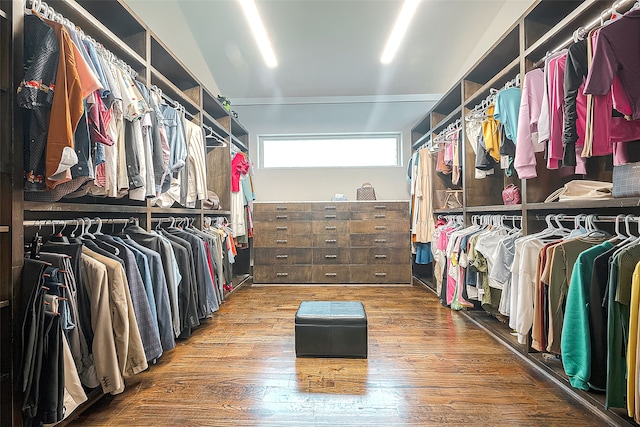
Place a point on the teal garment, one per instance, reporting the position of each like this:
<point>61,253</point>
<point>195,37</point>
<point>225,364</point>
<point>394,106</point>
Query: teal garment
<point>618,315</point>
<point>247,191</point>
<point>507,109</point>
<point>576,334</point>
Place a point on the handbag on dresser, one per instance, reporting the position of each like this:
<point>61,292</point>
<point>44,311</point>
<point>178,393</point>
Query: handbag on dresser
<point>366,192</point>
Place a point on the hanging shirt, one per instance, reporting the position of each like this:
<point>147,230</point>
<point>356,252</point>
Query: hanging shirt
<point>527,136</point>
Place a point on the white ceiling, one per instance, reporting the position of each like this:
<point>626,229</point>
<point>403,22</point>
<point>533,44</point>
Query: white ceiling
<point>329,48</point>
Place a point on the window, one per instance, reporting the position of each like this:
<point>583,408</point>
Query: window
<point>328,151</point>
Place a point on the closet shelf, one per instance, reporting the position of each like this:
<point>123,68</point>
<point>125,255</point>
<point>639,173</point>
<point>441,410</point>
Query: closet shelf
<point>4,303</point>
<point>176,211</point>
<point>449,100</point>
<point>173,91</point>
<point>496,82</point>
<point>96,29</point>
<point>237,128</point>
<point>77,207</point>
<point>213,212</point>
<point>239,143</point>
<point>447,120</point>
<point>568,21</point>
<point>494,208</point>
<point>210,120</point>
<point>448,211</point>
<point>212,106</point>
<point>628,202</point>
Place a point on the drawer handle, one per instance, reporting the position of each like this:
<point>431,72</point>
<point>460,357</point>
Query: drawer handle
<point>380,207</point>
<point>330,216</point>
<point>380,240</point>
<point>282,228</point>
<point>380,216</point>
<point>331,274</point>
<point>330,208</point>
<point>282,216</point>
<point>282,274</point>
<point>282,256</point>
<point>381,274</point>
<point>330,240</point>
<point>281,208</point>
<point>331,256</point>
<point>381,227</point>
<point>381,256</point>
<point>281,241</point>
<point>333,227</point>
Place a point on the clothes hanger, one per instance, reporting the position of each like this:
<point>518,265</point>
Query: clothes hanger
<point>85,231</point>
<point>98,231</point>
<point>58,237</point>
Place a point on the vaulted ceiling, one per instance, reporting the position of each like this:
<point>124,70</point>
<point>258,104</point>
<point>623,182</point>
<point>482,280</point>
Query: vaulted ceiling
<point>329,47</point>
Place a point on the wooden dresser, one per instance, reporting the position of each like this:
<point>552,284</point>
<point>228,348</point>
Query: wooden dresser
<point>332,242</point>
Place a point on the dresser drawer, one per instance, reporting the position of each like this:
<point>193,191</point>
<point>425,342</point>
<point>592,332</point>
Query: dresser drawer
<point>282,216</point>
<point>331,216</point>
<point>282,228</point>
<point>282,256</point>
<point>379,206</point>
<point>330,207</point>
<point>282,274</point>
<point>374,256</point>
<point>379,226</point>
<point>400,274</point>
<point>340,227</point>
<point>330,274</point>
<point>331,256</point>
<point>381,240</point>
<point>330,240</point>
<point>272,240</point>
<point>259,208</point>
<point>383,215</point>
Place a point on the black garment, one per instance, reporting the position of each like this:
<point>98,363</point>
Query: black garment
<point>132,156</point>
<point>576,70</point>
<point>51,405</point>
<point>484,161</point>
<point>187,292</point>
<point>598,308</point>
<point>35,96</point>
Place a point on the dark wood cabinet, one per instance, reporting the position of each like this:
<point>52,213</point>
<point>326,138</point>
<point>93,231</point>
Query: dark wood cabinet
<point>336,242</point>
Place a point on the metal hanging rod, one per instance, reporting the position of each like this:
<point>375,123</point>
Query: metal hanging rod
<point>46,11</point>
<point>595,218</point>
<point>56,222</point>
<point>582,32</point>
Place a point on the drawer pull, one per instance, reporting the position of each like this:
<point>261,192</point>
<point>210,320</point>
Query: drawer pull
<point>281,241</point>
<point>333,227</point>
<point>331,256</point>
<point>330,240</point>
<point>381,227</point>
<point>282,216</point>
<point>380,256</point>
<point>330,208</point>
<point>282,256</point>
<point>330,216</point>
<point>331,274</point>
<point>380,216</point>
<point>282,228</point>
<point>380,207</point>
<point>381,274</point>
<point>282,274</point>
<point>380,240</point>
<point>281,208</point>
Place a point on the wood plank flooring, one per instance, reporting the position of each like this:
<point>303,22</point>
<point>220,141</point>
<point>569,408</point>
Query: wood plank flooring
<point>427,366</point>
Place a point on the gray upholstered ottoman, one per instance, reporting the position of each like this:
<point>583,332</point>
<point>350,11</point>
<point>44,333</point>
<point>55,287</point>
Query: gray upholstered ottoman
<point>331,329</point>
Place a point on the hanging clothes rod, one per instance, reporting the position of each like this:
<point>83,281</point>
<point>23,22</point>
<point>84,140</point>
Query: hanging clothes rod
<point>46,11</point>
<point>582,32</point>
<point>595,218</point>
<point>56,222</point>
<point>485,103</point>
<point>213,134</point>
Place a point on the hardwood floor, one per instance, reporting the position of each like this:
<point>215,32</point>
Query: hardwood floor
<point>427,366</point>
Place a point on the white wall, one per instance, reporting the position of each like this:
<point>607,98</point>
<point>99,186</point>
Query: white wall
<point>322,183</point>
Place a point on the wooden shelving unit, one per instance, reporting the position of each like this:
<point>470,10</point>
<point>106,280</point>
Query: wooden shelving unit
<point>547,25</point>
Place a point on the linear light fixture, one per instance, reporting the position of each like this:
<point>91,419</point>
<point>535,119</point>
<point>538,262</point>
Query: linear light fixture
<point>259,33</point>
<point>399,29</point>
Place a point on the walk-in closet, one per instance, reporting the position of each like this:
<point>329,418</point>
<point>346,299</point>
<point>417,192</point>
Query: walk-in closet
<point>346,213</point>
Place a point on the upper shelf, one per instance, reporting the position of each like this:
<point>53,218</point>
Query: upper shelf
<point>110,24</point>
<point>449,101</point>
<point>212,106</point>
<point>173,70</point>
<point>475,93</point>
<point>499,57</point>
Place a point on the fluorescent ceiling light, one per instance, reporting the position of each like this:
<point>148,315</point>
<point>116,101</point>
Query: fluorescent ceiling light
<point>259,33</point>
<point>399,29</point>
